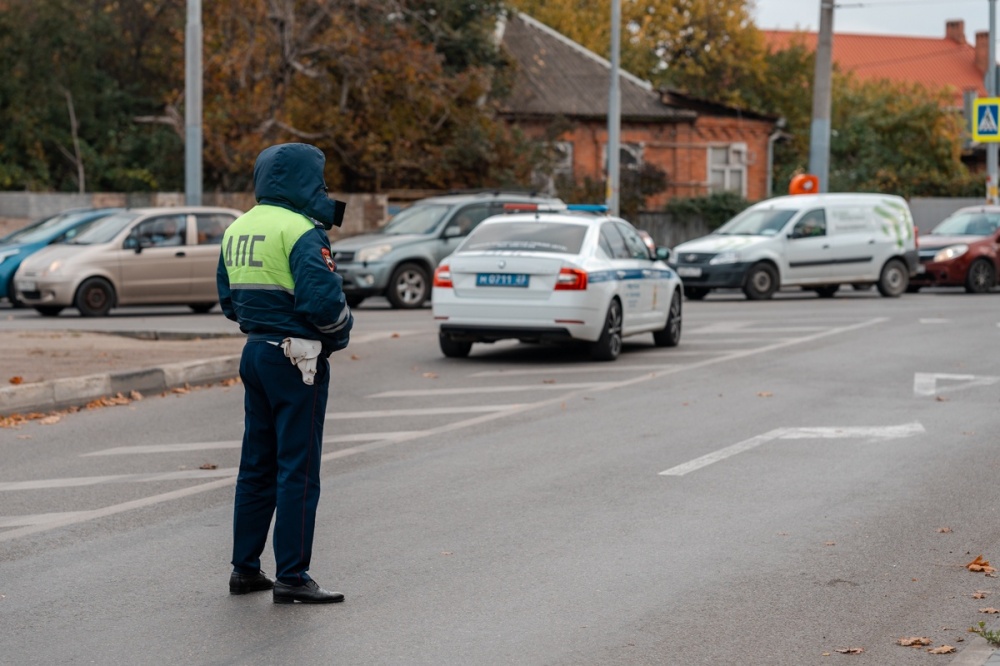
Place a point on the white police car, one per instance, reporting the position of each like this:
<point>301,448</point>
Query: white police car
<point>556,273</point>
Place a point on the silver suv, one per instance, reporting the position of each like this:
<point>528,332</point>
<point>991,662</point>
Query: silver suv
<point>399,259</point>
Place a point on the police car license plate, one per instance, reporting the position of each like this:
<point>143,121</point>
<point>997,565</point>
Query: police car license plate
<point>689,271</point>
<point>24,285</point>
<point>501,279</point>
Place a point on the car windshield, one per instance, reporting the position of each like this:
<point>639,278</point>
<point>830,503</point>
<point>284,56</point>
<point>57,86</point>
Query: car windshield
<point>105,229</point>
<point>760,222</point>
<point>526,236</point>
<point>417,219</point>
<point>49,227</point>
<point>972,223</point>
<point>36,229</point>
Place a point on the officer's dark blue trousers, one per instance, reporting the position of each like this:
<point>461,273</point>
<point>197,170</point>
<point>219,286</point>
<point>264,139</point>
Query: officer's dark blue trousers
<point>279,465</point>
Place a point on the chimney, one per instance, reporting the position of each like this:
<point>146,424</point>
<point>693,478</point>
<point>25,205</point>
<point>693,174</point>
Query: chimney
<point>955,31</point>
<point>982,51</point>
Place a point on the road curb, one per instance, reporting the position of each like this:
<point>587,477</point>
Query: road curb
<point>78,391</point>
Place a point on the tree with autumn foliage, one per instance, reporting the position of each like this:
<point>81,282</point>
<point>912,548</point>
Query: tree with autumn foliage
<point>708,48</point>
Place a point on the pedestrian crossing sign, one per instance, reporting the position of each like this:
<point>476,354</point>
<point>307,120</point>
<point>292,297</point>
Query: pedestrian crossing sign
<point>986,119</point>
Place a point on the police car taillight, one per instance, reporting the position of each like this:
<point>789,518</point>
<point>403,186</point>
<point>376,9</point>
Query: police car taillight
<point>442,277</point>
<point>571,279</point>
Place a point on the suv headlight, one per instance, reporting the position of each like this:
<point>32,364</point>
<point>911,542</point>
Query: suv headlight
<point>725,258</point>
<point>373,253</point>
<point>951,252</point>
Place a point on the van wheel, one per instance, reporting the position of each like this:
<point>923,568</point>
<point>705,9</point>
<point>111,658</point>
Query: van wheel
<point>982,277</point>
<point>894,279</point>
<point>827,291</point>
<point>609,345</point>
<point>670,336</point>
<point>761,282</point>
<point>453,348</point>
<point>695,293</point>
<point>409,287</point>
<point>94,298</point>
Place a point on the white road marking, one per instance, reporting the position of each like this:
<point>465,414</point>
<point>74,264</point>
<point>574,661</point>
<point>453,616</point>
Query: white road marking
<point>926,383</point>
<point>874,432</point>
<point>411,393</point>
<point>931,320</point>
<point>236,443</point>
<point>81,517</point>
<point>427,411</point>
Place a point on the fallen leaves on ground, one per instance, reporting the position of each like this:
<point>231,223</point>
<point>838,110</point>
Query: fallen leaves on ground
<point>944,649</point>
<point>114,401</point>
<point>979,594</point>
<point>979,564</point>
<point>229,382</point>
<point>989,611</point>
<point>430,375</point>
<point>914,641</point>
<point>209,466</point>
<point>50,420</point>
<point>355,357</point>
<point>944,530</point>
<point>16,379</point>
<point>853,650</point>
<point>765,394</point>
<point>941,398</point>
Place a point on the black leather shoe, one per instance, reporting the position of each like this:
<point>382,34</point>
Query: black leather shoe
<point>310,593</point>
<point>244,583</point>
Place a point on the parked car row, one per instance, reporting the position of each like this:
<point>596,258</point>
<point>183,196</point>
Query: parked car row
<point>510,265</point>
<point>137,256</point>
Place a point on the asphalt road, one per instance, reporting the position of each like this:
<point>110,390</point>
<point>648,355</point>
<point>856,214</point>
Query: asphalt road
<point>798,477</point>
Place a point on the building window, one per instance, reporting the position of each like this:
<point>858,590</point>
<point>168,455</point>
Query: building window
<point>727,168</point>
<point>560,167</point>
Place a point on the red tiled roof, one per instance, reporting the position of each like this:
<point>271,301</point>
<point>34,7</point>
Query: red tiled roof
<point>933,62</point>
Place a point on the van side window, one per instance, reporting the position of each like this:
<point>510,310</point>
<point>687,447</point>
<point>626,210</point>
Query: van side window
<point>811,224</point>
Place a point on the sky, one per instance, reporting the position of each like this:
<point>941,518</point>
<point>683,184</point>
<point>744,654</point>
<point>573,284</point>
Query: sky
<point>915,18</point>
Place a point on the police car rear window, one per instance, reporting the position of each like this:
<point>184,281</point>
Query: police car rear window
<point>526,237</point>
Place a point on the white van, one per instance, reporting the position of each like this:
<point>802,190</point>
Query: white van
<point>816,241</point>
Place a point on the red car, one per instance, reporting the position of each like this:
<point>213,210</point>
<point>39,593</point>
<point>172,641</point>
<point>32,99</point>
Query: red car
<point>962,251</point>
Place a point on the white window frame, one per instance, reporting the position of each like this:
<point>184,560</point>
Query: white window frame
<point>635,152</point>
<point>734,171</point>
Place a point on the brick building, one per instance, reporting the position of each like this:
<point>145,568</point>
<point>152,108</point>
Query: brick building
<point>702,147</point>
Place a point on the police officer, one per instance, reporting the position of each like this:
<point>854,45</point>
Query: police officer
<point>276,279</point>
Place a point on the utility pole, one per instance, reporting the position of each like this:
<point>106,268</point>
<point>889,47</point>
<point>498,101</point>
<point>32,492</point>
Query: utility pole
<point>192,105</point>
<point>991,91</point>
<point>614,112</point>
<point>819,139</point>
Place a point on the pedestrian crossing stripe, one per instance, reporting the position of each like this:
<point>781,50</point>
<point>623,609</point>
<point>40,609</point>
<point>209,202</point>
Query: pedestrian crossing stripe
<point>986,120</point>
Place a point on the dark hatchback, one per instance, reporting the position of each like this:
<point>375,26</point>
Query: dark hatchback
<point>962,251</point>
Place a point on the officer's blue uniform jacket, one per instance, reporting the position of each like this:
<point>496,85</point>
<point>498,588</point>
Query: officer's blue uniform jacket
<point>275,275</point>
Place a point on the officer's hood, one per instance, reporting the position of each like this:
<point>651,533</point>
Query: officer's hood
<point>290,175</point>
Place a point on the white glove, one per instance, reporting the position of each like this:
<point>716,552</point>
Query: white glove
<point>303,354</point>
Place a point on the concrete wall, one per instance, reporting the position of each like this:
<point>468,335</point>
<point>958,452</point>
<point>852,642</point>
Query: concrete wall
<point>928,212</point>
<point>364,211</point>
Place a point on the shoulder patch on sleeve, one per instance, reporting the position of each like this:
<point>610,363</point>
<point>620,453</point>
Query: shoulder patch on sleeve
<point>330,263</point>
